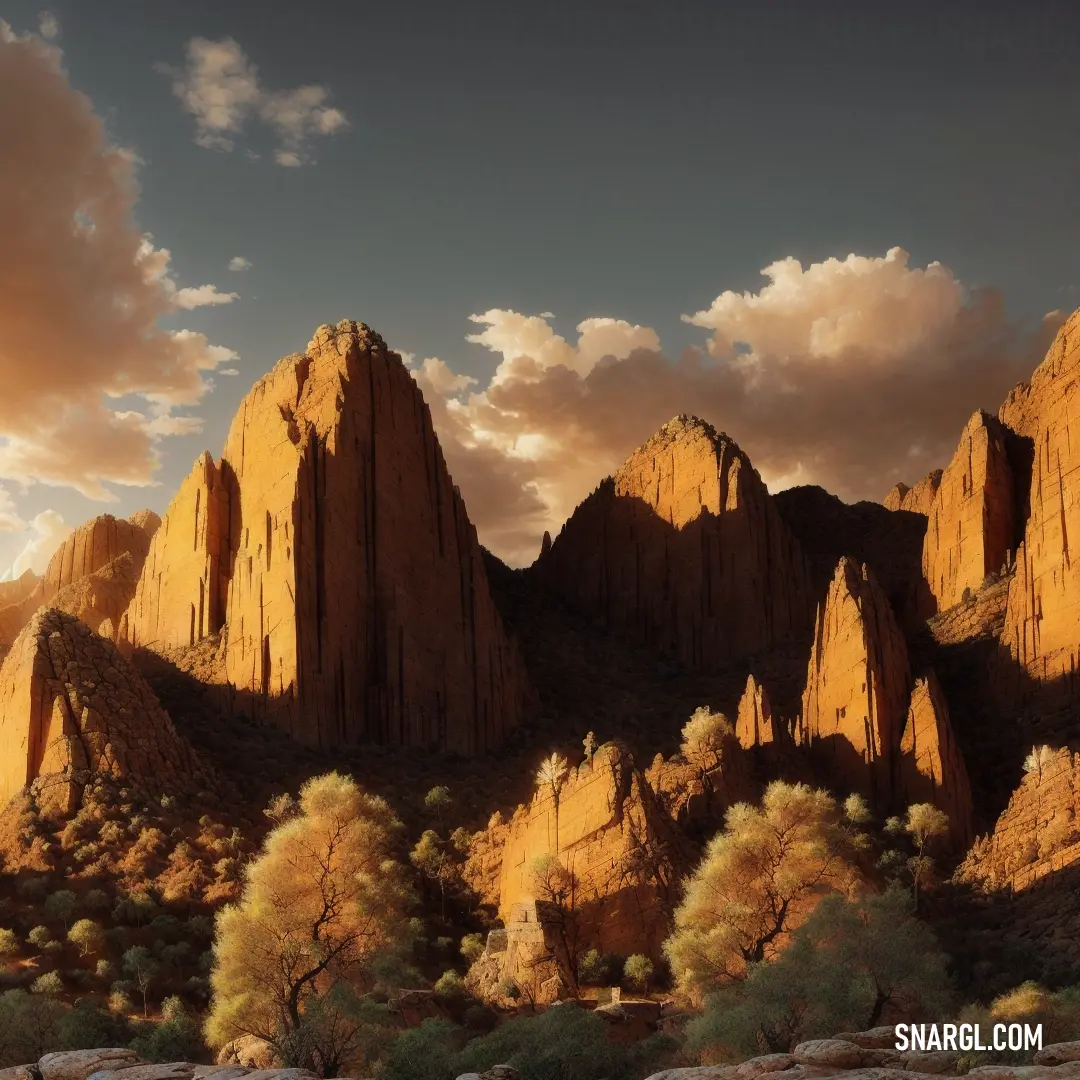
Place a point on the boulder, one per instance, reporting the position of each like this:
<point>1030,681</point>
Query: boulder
<point>970,532</point>
<point>248,1051</point>
<point>333,548</point>
<point>1058,1053</point>
<point>79,1064</point>
<point>684,551</point>
<point>176,1070</point>
<point>20,1072</point>
<point>840,1054</point>
<point>72,707</point>
<point>879,1038</point>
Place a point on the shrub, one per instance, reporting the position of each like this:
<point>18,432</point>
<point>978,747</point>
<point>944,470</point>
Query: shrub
<point>450,985</point>
<point>49,983</point>
<point>422,1051</point>
<point>472,947</point>
<point>638,970</point>
<point>62,905</point>
<point>87,1026</point>
<point>39,937</point>
<point>176,1038</point>
<point>9,943</point>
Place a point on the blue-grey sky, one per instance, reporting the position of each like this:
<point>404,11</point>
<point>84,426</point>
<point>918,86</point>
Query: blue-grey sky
<point>627,160</point>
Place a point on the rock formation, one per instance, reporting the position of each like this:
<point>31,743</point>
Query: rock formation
<point>332,546</point>
<point>917,499</point>
<point>71,707</point>
<point>932,767</point>
<point>1044,598</point>
<point>1039,831</point>
<point>12,592</point>
<point>971,523</point>
<point>755,724</point>
<point>683,550</point>
<point>92,575</point>
<point>857,685</point>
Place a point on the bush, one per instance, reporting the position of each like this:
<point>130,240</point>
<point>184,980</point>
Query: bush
<point>39,937</point>
<point>62,905</point>
<point>638,970</point>
<point>450,985</point>
<point>422,1051</point>
<point>27,1026</point>
<point>49,983</point>
<point>87,1026</point>
<point>472,947</point>
<point>9,943</point>
<point>176,1038</point>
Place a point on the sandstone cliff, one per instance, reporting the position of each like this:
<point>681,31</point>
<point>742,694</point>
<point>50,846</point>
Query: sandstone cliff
<point>71,707</point>
<point>1043,609</point>
<point>755,724</point>
<point>1039,832</point>
<point>971,526</point>
<point>932,768</point>
<point>92,575</point>
<point>683,550</point>
<point>857,685</point>
<point>917,499</point>
<point>334,550</point>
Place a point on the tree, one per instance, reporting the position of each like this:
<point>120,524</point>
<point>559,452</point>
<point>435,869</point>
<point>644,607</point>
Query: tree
<point>87,935</point>
<point>845,965</point>
<point>437,800</point>
<point>552,776</point>
<point>49,983</point>
<point>320,903</point>
<point>638,970</point>
<point>9,943</point>
<point>558,886</point>
<point>139,963</point>
<point>62,905</point>
<point>1038,760</point>
<point>924,821</point>
<point>472,947</point>
<point>432,859</point>
<point>703,738</point>
<point>760,877</point>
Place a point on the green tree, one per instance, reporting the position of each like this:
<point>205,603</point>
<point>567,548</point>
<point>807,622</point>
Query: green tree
<point>176,1038</point>
<point>49,983</point>
<point>437,801</point>
<point>62,905</point>
<point>703,738</point>
<point>139,963</point>
<point>88,936</point>
<point>27,1026</point>
<point>924,822</point>
<point>432,859</point>
<point>320,903</point>
<point>472,947</point>
<point>760,878</point>
<point>638,970</point>
<point>847,964</point>
<point>422,1051</point>
<point>9,943</point>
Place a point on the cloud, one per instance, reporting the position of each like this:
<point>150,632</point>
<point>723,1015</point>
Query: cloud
<point>82,291</point>
<point>220,87</point>
<point>10,520</point>
<point>202,296</point>
<point>238,264</point>
<point>50,531</point>
<point>852,373</point>
<point>48,25</point>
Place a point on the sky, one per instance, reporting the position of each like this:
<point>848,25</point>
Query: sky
<point>833,230</point>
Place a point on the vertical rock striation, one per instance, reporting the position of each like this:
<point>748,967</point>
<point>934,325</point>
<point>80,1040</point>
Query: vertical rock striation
<point>970,532</point>
<point>917,499</point>
<point>683,550</point>
<point>332,546</point>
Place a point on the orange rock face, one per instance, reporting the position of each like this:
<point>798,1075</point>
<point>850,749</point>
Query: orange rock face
<point>864,722</point>
<point>684,550</point>
<point>180,596</point>
<point>917,499</point>
<point>334,549</point>
<point>70,707</point>
<point>755,724</point>
<point>971,522</point>
<point>1039,832</point>
<point>857,683</point>
<point>91,575</point>
<point>932,767</point>
<point>1043,611</point>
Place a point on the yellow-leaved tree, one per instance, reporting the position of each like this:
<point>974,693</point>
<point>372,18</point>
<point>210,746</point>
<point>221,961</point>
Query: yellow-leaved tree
<point>321,902</point>
<point>760,879</point>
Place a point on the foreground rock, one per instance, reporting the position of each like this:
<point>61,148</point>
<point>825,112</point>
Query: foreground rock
<point>71,708</point>
<point>684,550</point>
<point>333,548</point>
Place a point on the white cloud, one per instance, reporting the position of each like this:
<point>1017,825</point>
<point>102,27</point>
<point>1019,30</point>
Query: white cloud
<point>48,25</point>
<point>238,264</point>
<point>220,87</point>
<point>202,296</point>
<point>228,371</point>
<point>50,531</point>
<point>851,373</point>
<point>10,519</point>
<point>86,272</point>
